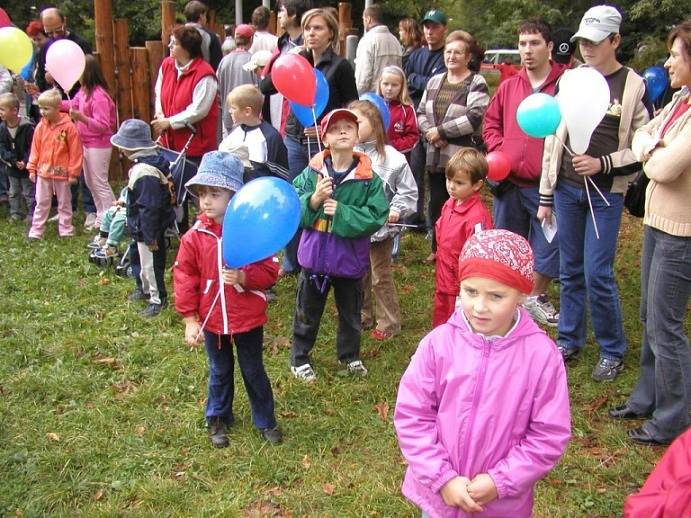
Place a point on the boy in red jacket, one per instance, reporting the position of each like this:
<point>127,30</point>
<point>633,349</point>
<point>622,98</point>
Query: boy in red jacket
<point>462,215</point>
<point>225,305</point>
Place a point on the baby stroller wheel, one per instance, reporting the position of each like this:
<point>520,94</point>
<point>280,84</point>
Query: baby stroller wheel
<point>124,268</point>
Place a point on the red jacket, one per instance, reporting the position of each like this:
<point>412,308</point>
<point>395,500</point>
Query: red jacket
<point>453,228</point>
<point>501,130</point>
<point>197,275</point>
<point>403,133</point>
<point>176,96</point>
<point>667,491</point>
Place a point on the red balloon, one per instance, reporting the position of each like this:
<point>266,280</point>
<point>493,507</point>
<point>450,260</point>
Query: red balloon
<point>499,166</point>
<point>4,19</point>
<point>293,76</point>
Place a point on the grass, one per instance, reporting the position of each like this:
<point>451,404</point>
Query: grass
<point>101,412</point>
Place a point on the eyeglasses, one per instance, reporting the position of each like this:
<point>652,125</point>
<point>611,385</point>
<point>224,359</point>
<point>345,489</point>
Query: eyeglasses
<point>55,32</point>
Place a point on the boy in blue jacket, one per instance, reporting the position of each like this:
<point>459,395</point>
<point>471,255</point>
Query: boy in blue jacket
<point>149,211</point>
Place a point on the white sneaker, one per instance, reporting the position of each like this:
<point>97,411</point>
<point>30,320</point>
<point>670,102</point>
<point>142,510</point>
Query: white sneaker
<point>542,310</point>
<point>356,368</point>
<point>304,373</point>
<point>54,218</point>
<point>90,221</point>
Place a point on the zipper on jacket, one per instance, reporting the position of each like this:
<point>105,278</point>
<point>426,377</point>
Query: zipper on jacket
<point>476,397</point>
<point>221,285</point>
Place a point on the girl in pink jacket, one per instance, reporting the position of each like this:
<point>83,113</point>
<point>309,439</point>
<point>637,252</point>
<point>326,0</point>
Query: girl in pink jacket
<point>483,409</point>
<point>93,111</point>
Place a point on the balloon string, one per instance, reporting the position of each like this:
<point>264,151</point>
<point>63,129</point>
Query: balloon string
<point>314,116</point>
<point>587,178</point>
<point>565,146</point>
<point>592,212</point>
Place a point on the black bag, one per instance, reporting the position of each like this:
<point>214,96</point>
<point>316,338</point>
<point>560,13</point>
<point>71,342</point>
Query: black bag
<point>634,200</point>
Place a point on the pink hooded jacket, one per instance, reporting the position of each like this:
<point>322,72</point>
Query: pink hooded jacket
<point>469,404</point>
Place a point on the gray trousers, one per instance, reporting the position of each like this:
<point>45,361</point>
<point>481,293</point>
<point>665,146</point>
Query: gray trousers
<point>21,196</point>
<point>664,387</point>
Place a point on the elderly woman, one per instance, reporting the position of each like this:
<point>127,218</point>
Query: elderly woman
<point>450,116</point>
<point>186,90</point>
<point>663,392</point>
<point>320,32</point>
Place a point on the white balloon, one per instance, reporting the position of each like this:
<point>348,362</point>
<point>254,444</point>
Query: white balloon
<point>583,99</point>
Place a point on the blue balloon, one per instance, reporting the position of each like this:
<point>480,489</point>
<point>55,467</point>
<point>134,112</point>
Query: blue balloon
<point>26,71</point>
<point>321,99</point>
<point>260,220</point>
<point>538,115</point>
<point>381,105</point>
<point>656,79</point>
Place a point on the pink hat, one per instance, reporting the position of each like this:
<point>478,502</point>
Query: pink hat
<point>244,30</point>
<point>333,116</point>
<point>499,255</point>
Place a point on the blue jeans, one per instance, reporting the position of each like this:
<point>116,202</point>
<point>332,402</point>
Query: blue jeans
<point>87,199</point>
<point>586,269</point>
<point>516,210</point>
<point>298,157</point>
<point>664,386</point>
<point>219,351</point>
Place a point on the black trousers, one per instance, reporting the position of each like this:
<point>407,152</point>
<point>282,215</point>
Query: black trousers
<point>437,197</point>
<point>309,306</point>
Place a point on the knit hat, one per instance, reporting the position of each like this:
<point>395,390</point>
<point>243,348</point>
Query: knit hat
<point>133,135</point>
<point>597,23</point>
<point>218,169</point>
<point>499,255</point>
<point>333,116</point>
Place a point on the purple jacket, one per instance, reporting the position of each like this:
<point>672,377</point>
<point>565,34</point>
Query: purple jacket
<point>468,404</point>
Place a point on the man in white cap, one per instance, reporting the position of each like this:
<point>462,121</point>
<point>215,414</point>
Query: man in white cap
<point>569,181</point>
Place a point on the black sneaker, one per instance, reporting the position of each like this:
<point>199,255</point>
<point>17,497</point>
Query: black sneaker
<point>217,432</point>
<point>272,435</point>
<point>567,353</point>
<point>138,294</point>
<point>151,310</point>
<point>607,369</point>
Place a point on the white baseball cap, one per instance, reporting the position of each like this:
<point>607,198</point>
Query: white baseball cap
<point>597,23</point>
<point>259,59</point>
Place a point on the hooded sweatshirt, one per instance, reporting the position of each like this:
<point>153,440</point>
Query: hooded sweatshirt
<point>501,131</point>
<point>56,150</point>
<point>470,404</point>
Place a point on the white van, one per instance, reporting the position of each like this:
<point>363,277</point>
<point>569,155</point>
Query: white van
<point>499,56</point>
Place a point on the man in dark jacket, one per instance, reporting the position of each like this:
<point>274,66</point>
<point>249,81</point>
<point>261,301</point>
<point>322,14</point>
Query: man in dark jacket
<point>516,199</point>
<point>422,64</point>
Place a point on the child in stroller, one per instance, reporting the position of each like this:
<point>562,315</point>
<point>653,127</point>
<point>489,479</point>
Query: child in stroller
<point>105,247</point>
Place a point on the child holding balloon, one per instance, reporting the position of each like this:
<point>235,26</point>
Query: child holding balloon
<point>223,305</point>
<point>55,162</point>
<point>401,191</point>
<point>93,111</point>
<point>342,204</point>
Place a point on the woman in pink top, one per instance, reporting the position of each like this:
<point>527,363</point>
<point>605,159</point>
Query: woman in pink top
<point>482,411</point>
<point>93,111</point>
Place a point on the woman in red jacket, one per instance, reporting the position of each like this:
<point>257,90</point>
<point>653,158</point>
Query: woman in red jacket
<point>186,90</point>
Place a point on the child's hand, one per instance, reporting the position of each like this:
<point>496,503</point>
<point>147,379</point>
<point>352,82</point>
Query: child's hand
<point>72,180</point>
<point>192,332</point>
<point>394,216</point>
<point>330,206</point>
<point>77,116</point>
<point>322,192</point>
<point>455,494</point>
<point>311,132</point>
<point>482,489</point>
<point>153,247</point>
<point>233,276</point>
<point>32,177</point>
<point>20,164</point>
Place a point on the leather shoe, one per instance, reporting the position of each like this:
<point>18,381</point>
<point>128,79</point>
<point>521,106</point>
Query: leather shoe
<point>624,412</point>
<point>641,436</point>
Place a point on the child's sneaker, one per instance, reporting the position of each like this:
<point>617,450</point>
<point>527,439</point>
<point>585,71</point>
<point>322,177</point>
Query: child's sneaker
<point>96,243</point>
<point>356,368</point>
<point>218,433</point>
<point>542,310</point>
<point>272,435</point>
<point>304,373</point>
<point>607,369</point>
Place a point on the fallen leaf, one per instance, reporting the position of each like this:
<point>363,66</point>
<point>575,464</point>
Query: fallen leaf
<point>288,414</point>
<point>274,492</point>
<point>19,512</point>
<point>382,409</point>
<point>306,462</point>
<point>596,404</point>
<point>328,489</point>
<point>52,436</point>
<point>106,361</point>
<point>98,495</point>
<point>180,475</point>
<point>335,451</point>
<point>103,281</point>
<point>329,411</point>
<point>139,430</point>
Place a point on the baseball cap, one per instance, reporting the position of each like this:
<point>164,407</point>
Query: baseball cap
<point>259,59</point>
<point>244,30</point>
<point>436,16</point>
<point>597,23</point>
<point>333,116</point>
<point>563,46</point>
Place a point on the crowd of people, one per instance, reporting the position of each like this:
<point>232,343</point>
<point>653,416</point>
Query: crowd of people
<point>483,408</point>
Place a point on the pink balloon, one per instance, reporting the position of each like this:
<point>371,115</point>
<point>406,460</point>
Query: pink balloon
<point>293,76</point>
<point>4,19</point>
<point>65,61</point>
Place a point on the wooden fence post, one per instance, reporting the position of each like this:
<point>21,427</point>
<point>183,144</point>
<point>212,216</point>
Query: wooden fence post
<point>122,64</point>
<point>103,18</point>
<point>141,83</point>
<point>167,21</point>
<point>345,23</point>
<point>154,49</point>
